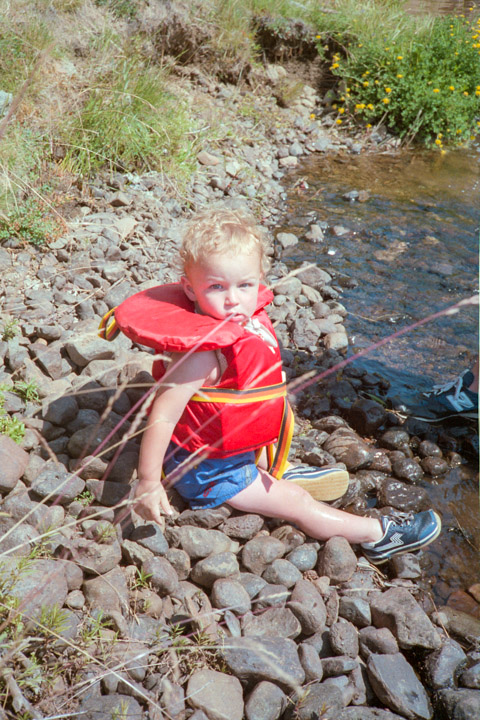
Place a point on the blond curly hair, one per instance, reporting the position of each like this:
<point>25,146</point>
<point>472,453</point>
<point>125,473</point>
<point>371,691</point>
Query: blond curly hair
<point>220,230</point>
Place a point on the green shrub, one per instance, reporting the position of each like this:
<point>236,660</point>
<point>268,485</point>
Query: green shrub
<point>421,78</point>
<point>30,222</point>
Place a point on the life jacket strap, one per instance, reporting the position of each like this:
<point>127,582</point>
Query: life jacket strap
<point>240,397</point>
<point>108,328</point>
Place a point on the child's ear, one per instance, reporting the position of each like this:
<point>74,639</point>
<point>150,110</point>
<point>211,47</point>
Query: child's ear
<point>187,288</point>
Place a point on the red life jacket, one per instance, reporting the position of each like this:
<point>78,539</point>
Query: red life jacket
<point>247,408</point>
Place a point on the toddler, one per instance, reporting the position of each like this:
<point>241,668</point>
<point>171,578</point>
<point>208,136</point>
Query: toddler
<point>209,450</point>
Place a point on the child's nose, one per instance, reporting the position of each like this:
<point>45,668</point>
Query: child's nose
<point>232,298</point>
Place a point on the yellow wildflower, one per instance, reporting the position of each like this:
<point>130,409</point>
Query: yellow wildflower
<point>368,125</point>
<point>365,83</point>
<point>318,37</point>
<point>465,92</point>
<point>399,57</point>
<point>338,121</point>
<point>438,141</point>
<point>436,90</point>
<point>334,66</point>
<point>442,151</point>
<point>341,110</point>
<point>451,87</point>
<point>399,75</point>
<point>312,116</point>
<point>388,89</point>
<point>386,100</point>
<point>370,106</point>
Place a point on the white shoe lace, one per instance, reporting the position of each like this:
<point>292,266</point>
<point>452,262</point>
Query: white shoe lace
<point>457,383</point>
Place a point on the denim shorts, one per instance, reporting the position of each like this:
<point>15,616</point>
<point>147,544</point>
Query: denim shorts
<point>212,481</point>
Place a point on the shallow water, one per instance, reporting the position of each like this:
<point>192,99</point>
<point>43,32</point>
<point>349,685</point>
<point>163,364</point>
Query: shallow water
<point>411,250</point>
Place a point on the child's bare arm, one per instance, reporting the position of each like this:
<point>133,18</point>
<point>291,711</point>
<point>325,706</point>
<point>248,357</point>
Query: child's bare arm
<point>185,377</point>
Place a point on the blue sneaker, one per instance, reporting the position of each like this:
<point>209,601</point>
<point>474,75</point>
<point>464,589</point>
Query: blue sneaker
<point>323,484</point>
<point>453,399</point>
<point>402,533</point>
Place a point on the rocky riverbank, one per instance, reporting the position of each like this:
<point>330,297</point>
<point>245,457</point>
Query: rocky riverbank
<point>217,615</point>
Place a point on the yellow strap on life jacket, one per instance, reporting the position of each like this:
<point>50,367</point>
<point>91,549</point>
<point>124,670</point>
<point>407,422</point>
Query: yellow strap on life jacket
<point>240,397</point>
<point>108,328</point>
<point>277,455</point>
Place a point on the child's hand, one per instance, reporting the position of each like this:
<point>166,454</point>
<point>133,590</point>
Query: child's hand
<point>151,499</point>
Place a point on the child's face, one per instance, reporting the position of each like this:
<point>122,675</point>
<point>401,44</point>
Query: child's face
<point>225,286</point>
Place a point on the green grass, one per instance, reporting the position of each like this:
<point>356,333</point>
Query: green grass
<point>129,121</point>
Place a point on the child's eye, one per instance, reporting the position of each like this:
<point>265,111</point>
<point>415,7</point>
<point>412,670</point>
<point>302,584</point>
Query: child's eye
<point>215,286</point>
<point>246,284</point>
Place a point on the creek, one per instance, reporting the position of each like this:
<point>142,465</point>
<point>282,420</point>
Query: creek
<point>411,250</point>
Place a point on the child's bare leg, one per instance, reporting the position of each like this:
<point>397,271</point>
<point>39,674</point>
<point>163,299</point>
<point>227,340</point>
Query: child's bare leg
<point>282,499</point>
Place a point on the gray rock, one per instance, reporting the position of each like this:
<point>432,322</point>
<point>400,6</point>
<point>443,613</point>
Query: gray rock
<point>442,665</point>
<point>305,333</point>
<point>218,695</point>
<point>199,542</point>
<point>260,552</point>
<point>303,557</point>
<point>337,340</point>
<point>271,596</point>
<point>282,572</point>
<point>273,622</point>
<point>180,561</point>
<point>344,639</point>
<point>308,606</point>
<point>462,625</point>
<point>151,537</point>
<point>87,346</point>
<point>407,566</point>
<point>339,665</point>
<point>94,558</point>
<point>243,527</point>
<point>135,554</point>
<point>108,592</point>
<point>406,469</point>
<point>337,560</point>
<point>311,663</point>
<point>228,593</point>
<point>434,466</point>
<point>402,496</point>
<point>56,484</point>
<point>110,706</point>
<point>398,611</point>
<point>377,640</point>
<point>471,678</point>
<point>315,277</point>
<point>356,610</point>
<point>173,699</point>
<point>162,575</point>
<point>286,240</point>
<point>13,462</point>
<point>327,697</point>
<point>60,411</point>
<point>347,447</point>
<point>272,659</point>
<point>395,439</point>
<point>208,518</point>
<point>217,565</point>
<point>108,493</point>
<point>460,704</point>
<point>397,686</point>
<point>41,584</point>
<point>266,702</point>
<point>252,583</point>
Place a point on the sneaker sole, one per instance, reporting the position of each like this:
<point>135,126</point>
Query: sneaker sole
<point>459,416</point>
<point>331,486</point>
<point>380,560</point>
